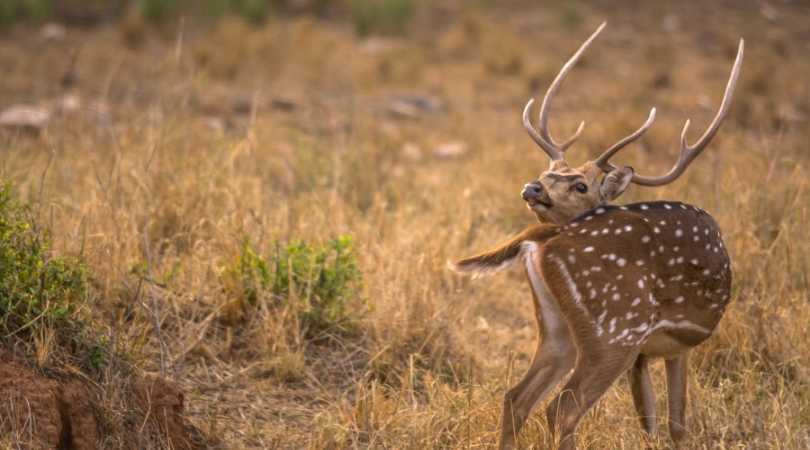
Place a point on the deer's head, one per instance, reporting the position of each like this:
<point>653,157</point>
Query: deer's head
<point>562,192</point>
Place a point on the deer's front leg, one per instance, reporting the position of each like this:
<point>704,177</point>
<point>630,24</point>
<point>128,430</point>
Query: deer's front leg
<point>595,370</point>
<point>643,394</point>
<point>555,357</point>
<point>676,396</point>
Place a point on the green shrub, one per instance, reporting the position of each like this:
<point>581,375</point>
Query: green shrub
<point>12,11</point>
<point>157,10</point>
<point>39,291</point>
<point>253,11</point>
<point>381,16</point>
<point>322,280</point>
<point>571,15</point>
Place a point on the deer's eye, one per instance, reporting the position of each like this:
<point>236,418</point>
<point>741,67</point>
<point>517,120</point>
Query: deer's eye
<point>581,188</point>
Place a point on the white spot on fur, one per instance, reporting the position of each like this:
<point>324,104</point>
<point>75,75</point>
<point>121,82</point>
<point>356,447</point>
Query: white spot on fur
<point>601,317</point>
<point>620,336</point>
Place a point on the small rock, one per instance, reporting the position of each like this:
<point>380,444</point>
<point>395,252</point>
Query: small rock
<point>376,46</point>
<point>25,117</point>
<point>412,106</point>
<point>53,31</point>
<point>283,104</point>
<point>68,103</point>
<point>450,150</point>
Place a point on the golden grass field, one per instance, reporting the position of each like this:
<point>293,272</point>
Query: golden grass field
<point>175,145</point>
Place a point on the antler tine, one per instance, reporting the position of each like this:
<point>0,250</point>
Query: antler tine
<point>541,135</point>
<point>552,90</point>
<point>552,151</point>
<point>689,153</point>
<point>603,160</point>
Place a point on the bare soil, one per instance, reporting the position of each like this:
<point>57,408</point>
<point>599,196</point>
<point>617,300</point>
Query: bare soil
<point>63,414</point>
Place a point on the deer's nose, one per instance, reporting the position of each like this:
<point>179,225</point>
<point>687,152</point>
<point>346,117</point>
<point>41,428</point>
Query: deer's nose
<point>532,191</point>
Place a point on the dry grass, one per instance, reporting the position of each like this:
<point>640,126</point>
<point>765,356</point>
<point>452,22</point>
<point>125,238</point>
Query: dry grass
<point>188,143</point>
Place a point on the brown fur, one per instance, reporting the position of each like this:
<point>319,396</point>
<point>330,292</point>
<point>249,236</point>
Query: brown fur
<point>503,255</point>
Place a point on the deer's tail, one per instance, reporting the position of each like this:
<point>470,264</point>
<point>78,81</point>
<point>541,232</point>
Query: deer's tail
<point>506,254</point>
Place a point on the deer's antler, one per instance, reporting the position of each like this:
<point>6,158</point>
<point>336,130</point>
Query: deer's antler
<point>688,152</point>
<point>541,135</point>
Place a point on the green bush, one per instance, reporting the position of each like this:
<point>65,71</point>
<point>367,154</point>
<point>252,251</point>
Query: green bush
<point>322,280</point>
<point>251,10</point>
<point>381,16</point>
<point>157,10</point>
<point>39,291</point>
<point>12,11</point>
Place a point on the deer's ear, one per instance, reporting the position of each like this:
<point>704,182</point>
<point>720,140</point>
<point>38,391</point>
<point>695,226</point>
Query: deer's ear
<point>615,182</point>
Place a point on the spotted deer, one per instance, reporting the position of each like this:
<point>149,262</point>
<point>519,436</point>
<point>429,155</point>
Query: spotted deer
<point>613,286</point>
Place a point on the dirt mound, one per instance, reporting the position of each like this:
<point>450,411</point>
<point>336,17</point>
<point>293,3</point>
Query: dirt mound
<point>40,412</point>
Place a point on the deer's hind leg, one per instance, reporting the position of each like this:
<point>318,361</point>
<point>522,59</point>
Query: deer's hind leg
<point>643,394</point>
<point>676,396</point>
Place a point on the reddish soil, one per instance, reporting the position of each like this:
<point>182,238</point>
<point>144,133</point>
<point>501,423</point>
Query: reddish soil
<point>40,412</point>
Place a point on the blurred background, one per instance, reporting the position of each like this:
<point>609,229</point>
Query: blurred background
<point>262,195</point>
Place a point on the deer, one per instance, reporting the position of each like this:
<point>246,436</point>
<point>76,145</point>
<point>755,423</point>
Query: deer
<point>613,287</point>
